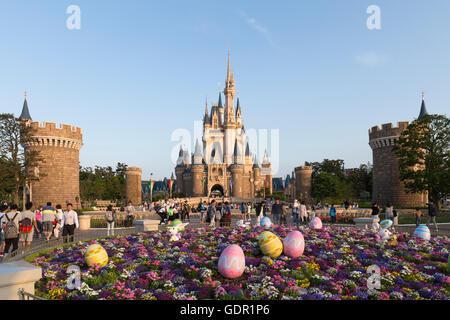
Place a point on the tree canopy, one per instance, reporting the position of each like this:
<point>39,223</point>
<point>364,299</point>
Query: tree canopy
<point>423,150</point>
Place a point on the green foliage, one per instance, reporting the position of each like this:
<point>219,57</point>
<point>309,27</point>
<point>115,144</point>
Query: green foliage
<point>103,183</point>
<point>331,184</point>
<point>279,196</point>
<point>423,150</point>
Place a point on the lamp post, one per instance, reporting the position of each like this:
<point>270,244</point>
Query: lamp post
<point>151,188</point>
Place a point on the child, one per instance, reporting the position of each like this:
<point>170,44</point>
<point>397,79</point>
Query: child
<point>417,215</point>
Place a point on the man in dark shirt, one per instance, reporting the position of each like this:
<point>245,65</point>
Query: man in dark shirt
<point>276,212</point>
<point>432,213</point>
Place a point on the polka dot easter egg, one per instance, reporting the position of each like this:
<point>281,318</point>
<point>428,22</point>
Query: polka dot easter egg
<point>294,244</point>
<point>96,255</point>
<point>232,262</point>
<point>270,244</point>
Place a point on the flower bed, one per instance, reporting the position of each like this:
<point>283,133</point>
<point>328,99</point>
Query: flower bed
<point>333,266</point>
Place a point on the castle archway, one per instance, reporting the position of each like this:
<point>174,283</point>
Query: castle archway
<point>217,190</point>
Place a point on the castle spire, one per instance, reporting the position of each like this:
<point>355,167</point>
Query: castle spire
<point>229,75</point>
<point>206,117</point>
<point>423,109</point>
<point>25,115</point>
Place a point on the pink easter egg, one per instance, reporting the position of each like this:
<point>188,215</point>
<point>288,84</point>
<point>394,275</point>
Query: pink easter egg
<point>294,244</point>
<point>315,223</point>
<point>232,262</point>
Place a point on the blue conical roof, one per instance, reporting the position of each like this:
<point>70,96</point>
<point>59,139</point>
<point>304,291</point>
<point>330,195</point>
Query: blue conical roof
<point>25,112</point>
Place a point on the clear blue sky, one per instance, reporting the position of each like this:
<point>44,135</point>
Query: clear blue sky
<point>138,70</point>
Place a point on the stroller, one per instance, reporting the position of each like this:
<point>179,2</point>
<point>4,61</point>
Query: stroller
<point>162,214</point>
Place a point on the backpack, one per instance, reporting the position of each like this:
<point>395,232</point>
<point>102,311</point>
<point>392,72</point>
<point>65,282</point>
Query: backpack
<point>11,230</point>
<point>26,225</point>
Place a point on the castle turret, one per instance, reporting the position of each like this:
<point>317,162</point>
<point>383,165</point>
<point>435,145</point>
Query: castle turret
<point>267,172</point>
<point>387,186</point>
<point>238,115</point>
<point>179,170</point>
<point>133,185</point>
<point>303,182</point>
<point>229,94</point>
<point>58,173</point>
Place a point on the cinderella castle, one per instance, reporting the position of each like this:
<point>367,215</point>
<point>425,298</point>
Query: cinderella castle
<point>224,165</point>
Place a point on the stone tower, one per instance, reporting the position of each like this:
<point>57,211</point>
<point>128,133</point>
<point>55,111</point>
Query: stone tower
<point>303,182</point>
<point>387,186</point>
<point>133,185</point>
<point>58,179</point>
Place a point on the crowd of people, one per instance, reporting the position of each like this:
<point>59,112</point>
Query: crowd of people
<point>27,225</point>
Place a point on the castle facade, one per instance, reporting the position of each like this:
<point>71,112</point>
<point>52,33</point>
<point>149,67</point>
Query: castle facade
<point>223,165</point>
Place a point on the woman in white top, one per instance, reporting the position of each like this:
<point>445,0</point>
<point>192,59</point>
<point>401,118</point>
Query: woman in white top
<point>58,218</point>
<point>69,223</point>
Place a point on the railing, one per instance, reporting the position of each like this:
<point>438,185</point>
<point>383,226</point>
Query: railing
<point>42,244</point>
<point>27,296</point>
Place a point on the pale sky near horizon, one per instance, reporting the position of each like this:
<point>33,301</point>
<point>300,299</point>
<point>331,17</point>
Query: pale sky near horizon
<point>137,71</point>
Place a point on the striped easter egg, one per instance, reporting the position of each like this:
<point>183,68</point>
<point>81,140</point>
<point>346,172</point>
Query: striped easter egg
<point>423,232</point>
<point>265,222</point>
<point>270,244</point>
<point>294,244</point>
<point>232,262</point>
<point>96,255</point>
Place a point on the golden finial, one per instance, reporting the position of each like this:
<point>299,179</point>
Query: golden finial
<point>423,95</point>
<point>25,94</point>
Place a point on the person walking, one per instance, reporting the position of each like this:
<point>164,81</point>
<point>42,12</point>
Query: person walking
<point>58,220</point>
<point>417,216</point>
<point>243,209</point>
<point>27,223</point>
<point>48,217</point>
<point>302,212</point>
<point>389,212</point>
<point>333,214</point>
<point>295,212</point>
<point>212,213</point>
<point>276,212</point>
<point>69,223</point>
<point>260,212</point>
<point>248,213</point>
<point>432,213</point>
<point>201,209</point>
<point>38,214</point>
<point>226,216</point>
<point>130,215</point>
<point>110,217</point>
<point>3,210</point>
<point>283,213</point>
<point>11,228</point>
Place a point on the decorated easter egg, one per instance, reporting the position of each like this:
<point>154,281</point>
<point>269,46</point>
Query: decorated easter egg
<point>384,234</point>
<point>294,244</point>
<point>96,255</point>
<point>422,232</point>
<point>176,222</point>
<point>265,222</point>
<point>270,244</point>
<point>232,262</point>
<point>315,223</point>
<point>385,224</point>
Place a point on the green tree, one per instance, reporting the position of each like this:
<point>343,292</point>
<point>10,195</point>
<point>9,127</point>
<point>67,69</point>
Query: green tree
<point>423,150</point>
<point>16,162</point>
